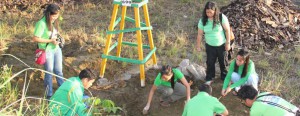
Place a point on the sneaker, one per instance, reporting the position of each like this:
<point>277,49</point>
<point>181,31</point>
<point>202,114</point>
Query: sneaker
<point>208,82</point>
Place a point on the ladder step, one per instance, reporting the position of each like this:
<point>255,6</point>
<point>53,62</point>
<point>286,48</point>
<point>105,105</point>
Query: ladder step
<point>129,30</point>
<point>134,61</point>
<point>134,4</point>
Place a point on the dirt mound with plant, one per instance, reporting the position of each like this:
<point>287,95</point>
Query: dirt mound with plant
<point>266,23</point>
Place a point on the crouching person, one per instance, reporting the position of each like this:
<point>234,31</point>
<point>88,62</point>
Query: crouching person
<point>203,104</point>
<point>166,84</point>
<point>266,104</point>
<point>68,99</point>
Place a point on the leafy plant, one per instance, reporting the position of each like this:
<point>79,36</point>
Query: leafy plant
<point>101,107</point>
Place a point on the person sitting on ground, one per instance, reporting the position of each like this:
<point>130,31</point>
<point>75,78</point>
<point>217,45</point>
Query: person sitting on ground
<point>203,104</point>
<point>68,99</point>
<point>266,104</point>
<point>166,84</point>
<point>241,72</point>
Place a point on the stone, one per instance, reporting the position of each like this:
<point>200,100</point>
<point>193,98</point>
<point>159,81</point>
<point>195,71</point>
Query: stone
<point>197,71</point>
<point>126,76</point>
<point>102,82</point>
<point>184,71</point>
<point>184,63</point>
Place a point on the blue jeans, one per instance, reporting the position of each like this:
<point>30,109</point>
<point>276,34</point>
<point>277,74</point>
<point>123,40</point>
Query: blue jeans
<point>53,64</point>
<point>252,80</point>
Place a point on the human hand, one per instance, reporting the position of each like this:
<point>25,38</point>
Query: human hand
<point>223,92</point>
<point>227,46</point>
<point>227,90</point>
<point>198,48</point>
<point>145,110</point>
<point>53,41</point>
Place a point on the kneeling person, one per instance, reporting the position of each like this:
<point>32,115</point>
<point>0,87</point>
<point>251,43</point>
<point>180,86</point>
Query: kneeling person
<point>68,99</point>
<point>266,104</point>
<point>203,104</point>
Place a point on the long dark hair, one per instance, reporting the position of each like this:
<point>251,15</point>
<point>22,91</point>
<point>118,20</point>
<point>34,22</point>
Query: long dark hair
<point>167,70</point>
<point>246,57</point>
<point>212,6</point>
<point>51,9</point>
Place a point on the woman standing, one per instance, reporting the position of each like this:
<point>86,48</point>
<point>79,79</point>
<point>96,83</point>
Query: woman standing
<point>216,43</point>
<point>166,84</point>
<point>241,72</point>
<point>45,34</point>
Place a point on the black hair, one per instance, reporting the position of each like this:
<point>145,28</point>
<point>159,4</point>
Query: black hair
<point>247,92</point>
<point>87,73</point>
<point>212,6</point>
<point>246,56</point>
<point>205,88</point>
<point>51,9</point>
<point>167,70</point>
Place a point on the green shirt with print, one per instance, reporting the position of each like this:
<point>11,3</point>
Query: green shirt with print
<point>243,80</point>
<point>264,109</point>
<point>69,97</point>
<point>159,81</point>
<point>214,36</point>
<point>41,31</point>
<point>203,105</point>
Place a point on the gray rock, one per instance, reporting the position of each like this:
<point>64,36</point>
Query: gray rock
<point>184,71</point>
<point>184,63</point>
<point>102,82</point>
<point>126,76</point>
<point>197,71</point>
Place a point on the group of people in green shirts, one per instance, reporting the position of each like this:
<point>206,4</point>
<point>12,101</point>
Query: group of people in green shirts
<point>241,77</point>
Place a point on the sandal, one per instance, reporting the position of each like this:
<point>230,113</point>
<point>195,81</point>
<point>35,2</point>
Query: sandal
<point>234,93</point>
<point>165,104</point>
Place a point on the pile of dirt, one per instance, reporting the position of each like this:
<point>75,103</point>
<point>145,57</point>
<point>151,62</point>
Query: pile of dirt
<point>266,23</point>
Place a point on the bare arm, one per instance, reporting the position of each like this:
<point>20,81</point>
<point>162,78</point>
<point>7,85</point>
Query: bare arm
<point>225,113</point>
<point>40,40</point>
<point>199,39</point>
<point>150,96</point>
<point>227,34</point>
<point>188,90</point>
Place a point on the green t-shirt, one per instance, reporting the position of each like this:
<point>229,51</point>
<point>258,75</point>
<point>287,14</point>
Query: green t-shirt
<point>41,31</point>
<point>70,94</point>
<point>203,105</point>
<point>243,80</point>
<point>176,73</point>
<point>263,109</point>
<point>214,36</point>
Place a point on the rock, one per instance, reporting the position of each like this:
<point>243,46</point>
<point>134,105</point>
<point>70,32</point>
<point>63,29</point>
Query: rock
<point>197,71</point>
<point>184,71</point>
<point>126,76</point>
<point>102,82</point>
<point>184,63</point>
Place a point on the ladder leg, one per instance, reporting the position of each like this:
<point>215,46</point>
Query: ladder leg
<point>108,40</point>
<point>122,25</point>
<point>149,32</point>
<point>140,45</point>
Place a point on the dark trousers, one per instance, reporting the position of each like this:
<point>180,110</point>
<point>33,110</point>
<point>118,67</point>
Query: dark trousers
<point>213,53</point>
